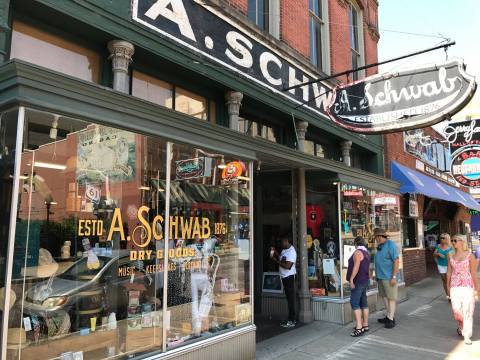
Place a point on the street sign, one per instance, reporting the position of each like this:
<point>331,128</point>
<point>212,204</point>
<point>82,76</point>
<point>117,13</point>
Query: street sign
<point>405,100</point>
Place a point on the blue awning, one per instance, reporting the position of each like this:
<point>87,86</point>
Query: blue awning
<point>414,182</point>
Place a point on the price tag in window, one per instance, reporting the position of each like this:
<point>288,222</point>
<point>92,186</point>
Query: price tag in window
<point>27,324</point>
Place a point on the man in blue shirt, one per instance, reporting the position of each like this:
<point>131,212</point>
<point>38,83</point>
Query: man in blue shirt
<point>386,268</point>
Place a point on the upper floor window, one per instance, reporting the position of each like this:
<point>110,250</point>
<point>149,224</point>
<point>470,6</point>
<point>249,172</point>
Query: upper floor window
<point>47,49</point>
<point>319,42</point>
<point>266,14</point>
<point>259,129</point>
<point>165,94</point>
<point>356,38</point>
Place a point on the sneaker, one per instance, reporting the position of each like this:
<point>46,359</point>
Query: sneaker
<point>382,320</point>
<point>390,324</point>
<point>468,341</point>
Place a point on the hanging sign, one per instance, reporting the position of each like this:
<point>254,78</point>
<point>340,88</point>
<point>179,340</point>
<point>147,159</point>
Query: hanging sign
<point>193,168</point>
<point>413,208</point>
<point>232,172</point>
<point>404,100</point>
<point>204,30</point>
<point>463,133</point>
<point>465,167</point>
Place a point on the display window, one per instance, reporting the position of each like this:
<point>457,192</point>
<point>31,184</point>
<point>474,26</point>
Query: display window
<point>48,49</point>
<point>363,210</point>
<point>8,137</point>
<point>125,244</point>
<point>323,241</point>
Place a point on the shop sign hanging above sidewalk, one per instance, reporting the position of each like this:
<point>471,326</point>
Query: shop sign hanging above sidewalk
<point>464,140</point>
<point>405,100</point>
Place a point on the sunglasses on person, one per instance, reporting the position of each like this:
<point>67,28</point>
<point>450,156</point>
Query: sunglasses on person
<point>455,241</point>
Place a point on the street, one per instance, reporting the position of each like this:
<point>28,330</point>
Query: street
<point>425,330</point>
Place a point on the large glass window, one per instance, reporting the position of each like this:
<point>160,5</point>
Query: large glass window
<point>210,223</point>
<point>8,136</point>
<point>52,51</point>
<point>165,94</point>
<point>355,27</point>
<point>90,242</point>
<point>363,210</point>
<point>259,129</point>
<point>319,47</point>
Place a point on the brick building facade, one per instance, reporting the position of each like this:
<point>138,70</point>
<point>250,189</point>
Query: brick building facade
<point>434,216</point>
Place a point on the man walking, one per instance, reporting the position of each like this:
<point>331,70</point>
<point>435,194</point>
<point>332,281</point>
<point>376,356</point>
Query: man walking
<point>286,266</point>
<point>386,268</point>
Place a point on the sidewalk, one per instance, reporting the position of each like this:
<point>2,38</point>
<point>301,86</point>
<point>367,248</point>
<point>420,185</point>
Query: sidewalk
<point>425,330</point>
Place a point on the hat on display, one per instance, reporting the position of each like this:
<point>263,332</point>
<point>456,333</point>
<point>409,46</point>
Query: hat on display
<point>379,232</point>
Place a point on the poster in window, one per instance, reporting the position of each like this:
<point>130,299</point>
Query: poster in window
<point>105,154</point>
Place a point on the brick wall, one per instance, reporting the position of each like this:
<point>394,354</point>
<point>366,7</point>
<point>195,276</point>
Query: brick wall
<point>294,28</point>
<point>241,5</point>
<point>414,265</point>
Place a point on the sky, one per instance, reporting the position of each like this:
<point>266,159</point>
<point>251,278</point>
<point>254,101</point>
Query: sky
<point>458,20</point>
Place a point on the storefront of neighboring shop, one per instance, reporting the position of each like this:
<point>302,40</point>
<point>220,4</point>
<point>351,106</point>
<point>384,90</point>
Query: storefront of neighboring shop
<point>130,188</point>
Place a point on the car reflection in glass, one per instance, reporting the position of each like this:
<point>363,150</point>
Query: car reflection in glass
<point>83,292</point>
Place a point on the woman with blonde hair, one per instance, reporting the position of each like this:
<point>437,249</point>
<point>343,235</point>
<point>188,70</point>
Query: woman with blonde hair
<point>462,286</point>
<point>441,254</point>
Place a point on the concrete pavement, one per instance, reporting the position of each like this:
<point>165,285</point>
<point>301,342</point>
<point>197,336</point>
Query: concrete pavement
<point>425,330</point>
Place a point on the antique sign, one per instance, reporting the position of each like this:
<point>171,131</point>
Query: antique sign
<point>193,168</point>
<point>463,133</point>
<point>405,100</point>
<point>204,30</point>
<point>465,166</point>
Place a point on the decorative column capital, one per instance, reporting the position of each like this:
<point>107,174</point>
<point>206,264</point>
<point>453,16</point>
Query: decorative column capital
<point>346,145</point>
<point>233,99</point>
<point>121,53</point>
<point>301,129</point>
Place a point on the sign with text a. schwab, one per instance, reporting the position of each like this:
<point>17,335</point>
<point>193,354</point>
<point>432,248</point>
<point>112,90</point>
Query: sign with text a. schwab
<point>404,100</point>
<point>207,32</point>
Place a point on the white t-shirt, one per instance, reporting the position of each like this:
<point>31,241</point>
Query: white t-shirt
<point>288,255</point>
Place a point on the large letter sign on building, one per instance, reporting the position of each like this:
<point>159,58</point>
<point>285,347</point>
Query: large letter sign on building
<point>404,100</point>
<point>204,30</point>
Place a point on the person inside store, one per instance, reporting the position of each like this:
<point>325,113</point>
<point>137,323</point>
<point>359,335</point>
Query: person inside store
<point>286,266</point>
<point>387,263</point>
<point>358,275</point>
<point>462,286</point>
<point>441,254</point>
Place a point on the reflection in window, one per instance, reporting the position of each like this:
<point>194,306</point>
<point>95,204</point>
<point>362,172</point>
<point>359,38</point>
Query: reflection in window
<point>190,103</point>
<point>166,94</point>
<point>362,211</point>
<point>88,267</point>
<point>8,135</point>
<point>76,286</point>
<point>209,221</point>
<point>152,89</point>
<point>319,48</point>
<point>258,129</point>
<point>355,26</point>
<point>49,50</point>
<point>314,148</point>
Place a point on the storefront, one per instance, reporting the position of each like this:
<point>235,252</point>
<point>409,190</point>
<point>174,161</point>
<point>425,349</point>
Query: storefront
<point>133,197</point>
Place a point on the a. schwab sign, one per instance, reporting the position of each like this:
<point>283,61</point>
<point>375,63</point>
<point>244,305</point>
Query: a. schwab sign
<point>405,100</point>
<point>208,32</point>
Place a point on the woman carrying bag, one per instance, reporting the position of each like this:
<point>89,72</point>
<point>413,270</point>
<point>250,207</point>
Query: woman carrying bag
<point>358,274</point>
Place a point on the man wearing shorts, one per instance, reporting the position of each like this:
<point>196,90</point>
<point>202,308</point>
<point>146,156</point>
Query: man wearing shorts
<point>386,269</point>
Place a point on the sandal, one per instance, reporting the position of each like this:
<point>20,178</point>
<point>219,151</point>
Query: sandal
<point>366,329</point>
<point>459,332</point>
<point>357,332</point>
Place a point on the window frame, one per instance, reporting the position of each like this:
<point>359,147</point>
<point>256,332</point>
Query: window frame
<point>319,22</point>
<point>269,21</point>
<point>358,51</point>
